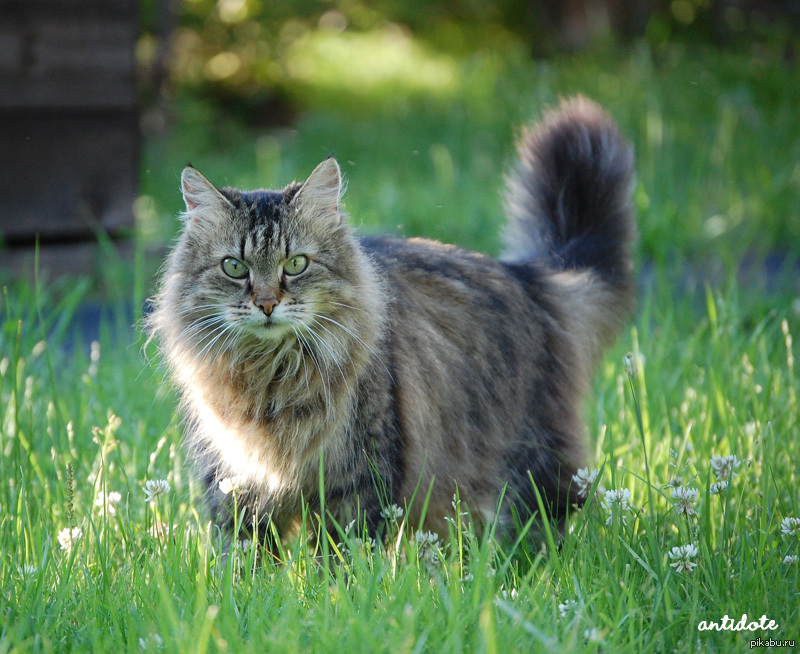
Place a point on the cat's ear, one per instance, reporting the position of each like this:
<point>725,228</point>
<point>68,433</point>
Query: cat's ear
<point>320,194</point>
<point>198,192</point>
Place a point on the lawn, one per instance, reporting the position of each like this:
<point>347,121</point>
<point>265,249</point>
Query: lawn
<point>694,513</point>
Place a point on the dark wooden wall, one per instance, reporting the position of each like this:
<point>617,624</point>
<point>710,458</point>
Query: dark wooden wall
<point>69,136</point>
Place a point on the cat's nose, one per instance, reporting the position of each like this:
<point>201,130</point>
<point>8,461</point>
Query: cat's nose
<point>266,303</point>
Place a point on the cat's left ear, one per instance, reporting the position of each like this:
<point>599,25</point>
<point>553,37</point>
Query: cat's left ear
<point>320,195</point>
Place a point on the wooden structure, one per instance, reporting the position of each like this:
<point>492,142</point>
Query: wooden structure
<point>69,135</point>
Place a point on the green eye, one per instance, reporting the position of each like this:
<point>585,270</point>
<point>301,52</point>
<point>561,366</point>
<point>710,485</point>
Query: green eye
<point>295,265</point>
<point>234,268</point>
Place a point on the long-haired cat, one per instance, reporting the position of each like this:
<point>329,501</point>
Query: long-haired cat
<point>399,369</point>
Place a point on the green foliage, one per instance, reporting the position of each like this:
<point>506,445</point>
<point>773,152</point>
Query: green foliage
<point>705,380</point>
<point>244,49</point>
<point>716,135</point>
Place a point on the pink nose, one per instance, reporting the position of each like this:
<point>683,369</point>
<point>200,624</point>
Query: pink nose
<point>266,303</point>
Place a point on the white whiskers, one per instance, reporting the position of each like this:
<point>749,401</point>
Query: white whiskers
<point>354,336</point>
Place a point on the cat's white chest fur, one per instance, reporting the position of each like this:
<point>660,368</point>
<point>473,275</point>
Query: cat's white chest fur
<point>242,448</point>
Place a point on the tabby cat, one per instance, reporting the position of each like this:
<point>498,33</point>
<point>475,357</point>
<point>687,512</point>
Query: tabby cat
<point>398,369</point>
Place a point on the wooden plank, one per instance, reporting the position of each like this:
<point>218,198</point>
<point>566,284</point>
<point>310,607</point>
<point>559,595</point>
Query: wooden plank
<point>70,175</point>
<point>33,10</point>
<point>68,59</point>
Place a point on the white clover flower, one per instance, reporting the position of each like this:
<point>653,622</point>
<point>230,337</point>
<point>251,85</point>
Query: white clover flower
<point>28,570</point>
<point>718,487</point>
<point>616,500</point>
<point>422,537</point>
<point>790,527</point>
<point>568,609</point>
<point>725,466</point>
<point>583,480</point>
<point>68,537</point>
<point>790,559</point>
<point>155,487</point>
<point>392,513</point>
<point>107,501</point>
<point>682,557</point>
<point>153,641</point>
<point>429,548</point>
<point>684,499</point>
<point>231,485</point>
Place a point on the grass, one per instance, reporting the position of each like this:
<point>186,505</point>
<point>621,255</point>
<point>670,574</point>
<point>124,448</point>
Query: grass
<point>709,386</point>
<point>716,376</point>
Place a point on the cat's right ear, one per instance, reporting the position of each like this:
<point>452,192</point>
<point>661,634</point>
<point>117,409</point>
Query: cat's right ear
<point>199,193</point>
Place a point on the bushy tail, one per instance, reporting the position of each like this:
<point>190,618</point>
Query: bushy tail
<point>569,210</point>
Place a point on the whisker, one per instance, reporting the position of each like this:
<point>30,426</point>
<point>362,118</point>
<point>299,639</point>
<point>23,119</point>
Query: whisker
<point>342,345</point>
<point>210,344</point>
<point>334,336</point>
<point>342,304</point>
<point>229,340</point>
<point>355,336</point>
<point>197,339</point>
<point>334,358</point>
<point>302,357</point>
<point>319,369</point>
<point>196,307</point>
<point>200,323</point>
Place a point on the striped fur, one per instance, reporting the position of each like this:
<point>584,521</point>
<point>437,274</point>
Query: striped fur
<point>400,364</point>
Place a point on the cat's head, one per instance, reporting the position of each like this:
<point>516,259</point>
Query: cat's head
<point>261,269</point>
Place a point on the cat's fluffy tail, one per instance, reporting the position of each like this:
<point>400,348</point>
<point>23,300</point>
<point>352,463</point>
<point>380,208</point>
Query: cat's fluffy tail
<point>569,210</point>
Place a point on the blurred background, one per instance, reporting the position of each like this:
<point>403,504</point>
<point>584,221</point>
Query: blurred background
<point>102,103</point>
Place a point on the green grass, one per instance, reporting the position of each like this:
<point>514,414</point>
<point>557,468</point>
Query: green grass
<point>717,376</point>
<point>710,384</point>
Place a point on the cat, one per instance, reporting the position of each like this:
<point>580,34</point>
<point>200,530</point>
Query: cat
<point>381,370</point>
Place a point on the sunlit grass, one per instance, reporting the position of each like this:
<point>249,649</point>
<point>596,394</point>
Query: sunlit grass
<point>85,435</point>
<point>352,67</point>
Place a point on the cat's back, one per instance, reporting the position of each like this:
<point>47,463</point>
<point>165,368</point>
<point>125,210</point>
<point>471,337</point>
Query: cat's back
<point>438,276</point>
<point>462,312</point>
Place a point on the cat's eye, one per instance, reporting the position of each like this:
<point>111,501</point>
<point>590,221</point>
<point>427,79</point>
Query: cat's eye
<point>234,268</point>
<point>296,265</point>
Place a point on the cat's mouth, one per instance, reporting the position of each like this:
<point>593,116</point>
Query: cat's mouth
<point>268,328</point>
<point>272,327</point>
